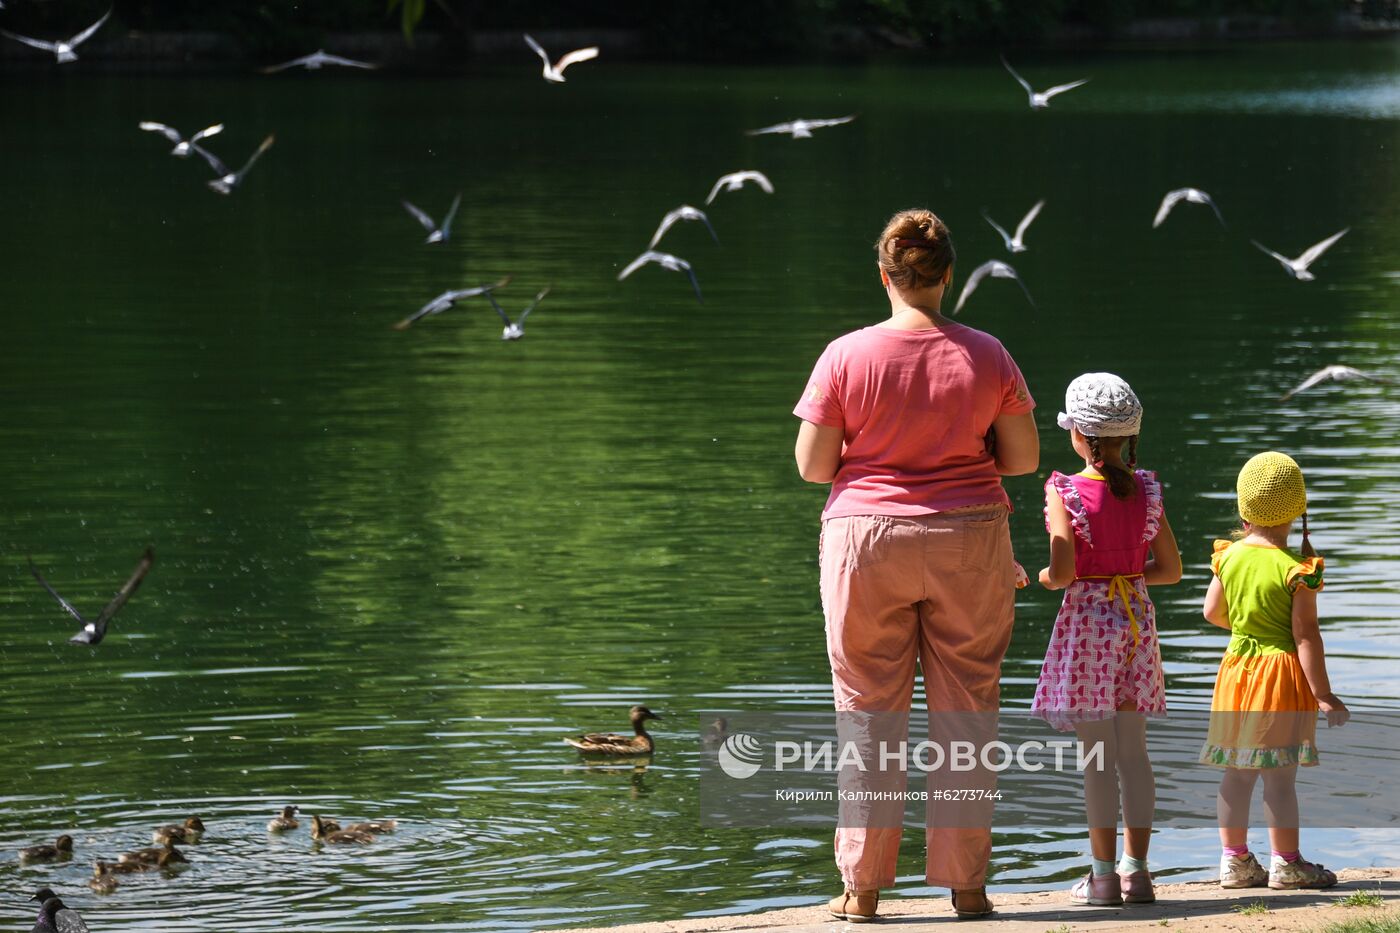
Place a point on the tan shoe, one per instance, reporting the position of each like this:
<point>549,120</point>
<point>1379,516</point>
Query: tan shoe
<point>971,903</point>
<point>855,906</point>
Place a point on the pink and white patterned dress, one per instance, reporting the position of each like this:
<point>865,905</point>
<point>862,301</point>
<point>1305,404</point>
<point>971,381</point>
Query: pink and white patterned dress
<point>1103,651</point>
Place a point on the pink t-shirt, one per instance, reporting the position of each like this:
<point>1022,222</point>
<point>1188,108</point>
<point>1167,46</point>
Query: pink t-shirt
<point>916,406</point>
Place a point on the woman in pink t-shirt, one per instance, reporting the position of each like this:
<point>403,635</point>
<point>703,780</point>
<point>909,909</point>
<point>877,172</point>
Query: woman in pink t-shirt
<point>913,422</point>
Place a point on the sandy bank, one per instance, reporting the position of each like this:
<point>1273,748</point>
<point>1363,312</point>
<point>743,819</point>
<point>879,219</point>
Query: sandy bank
<point>1195,906</point>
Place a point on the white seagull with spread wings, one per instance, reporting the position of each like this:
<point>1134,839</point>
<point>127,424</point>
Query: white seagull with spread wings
<point>997,270</point>
<point>228,180</point>
<point>436,234</point>
<point>63,48</point>
<point>183,146</point>
<point>1191,196</point>
<point>316,60</point>
<point>554,72</point>
<point>801,129</point>
<point>1041,99</point>
<point>665,261</point>
<point>735,180</point>
<point>1298,268</point>
<point>446,300</point>
<point>1337,373</point>
<point>514,330</point>
<point>1016,244</point>
<point>684,212</point>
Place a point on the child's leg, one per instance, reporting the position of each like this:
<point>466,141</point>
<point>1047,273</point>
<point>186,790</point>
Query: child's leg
<point>1101,788</point>
<point>1139,788</point>
<point>1232,805</point>
<point>1281,807</point>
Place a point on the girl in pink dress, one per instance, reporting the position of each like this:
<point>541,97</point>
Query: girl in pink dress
<point>1109,539</point>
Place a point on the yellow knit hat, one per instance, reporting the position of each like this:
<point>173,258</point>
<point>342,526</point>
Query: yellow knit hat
<point>1270,490</point>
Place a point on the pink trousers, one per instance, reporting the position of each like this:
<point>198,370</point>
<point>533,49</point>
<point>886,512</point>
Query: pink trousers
<point>939,589</point>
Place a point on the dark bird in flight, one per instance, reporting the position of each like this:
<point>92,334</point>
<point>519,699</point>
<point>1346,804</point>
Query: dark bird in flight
<point>94,631</point>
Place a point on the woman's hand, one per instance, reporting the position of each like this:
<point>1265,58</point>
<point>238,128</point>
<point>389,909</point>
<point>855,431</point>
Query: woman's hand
<point>1336,710</point>
<point>1047,581</point>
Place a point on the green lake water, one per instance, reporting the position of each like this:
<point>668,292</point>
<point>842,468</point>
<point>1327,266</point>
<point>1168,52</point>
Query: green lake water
<point>394,568</point>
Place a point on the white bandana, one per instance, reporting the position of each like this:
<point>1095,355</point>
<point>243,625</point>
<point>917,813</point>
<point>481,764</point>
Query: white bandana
<point>1101,405</point>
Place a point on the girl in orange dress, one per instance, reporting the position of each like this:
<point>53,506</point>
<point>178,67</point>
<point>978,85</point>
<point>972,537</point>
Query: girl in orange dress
<point>1273,678</point>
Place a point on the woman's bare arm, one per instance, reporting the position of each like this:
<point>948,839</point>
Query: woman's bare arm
<point>1018,445</point>
<point>819,451</point>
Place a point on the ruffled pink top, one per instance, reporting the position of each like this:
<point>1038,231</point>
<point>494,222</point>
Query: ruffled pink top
<point>1111,535</point>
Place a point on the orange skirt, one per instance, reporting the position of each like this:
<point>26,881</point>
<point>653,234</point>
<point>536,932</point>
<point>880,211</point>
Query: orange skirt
<point>1263,714</point>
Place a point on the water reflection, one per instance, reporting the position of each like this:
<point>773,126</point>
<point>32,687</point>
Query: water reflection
<point>397,568</point>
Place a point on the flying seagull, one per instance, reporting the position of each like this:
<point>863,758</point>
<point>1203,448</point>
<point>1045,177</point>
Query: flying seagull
<point>436,234</point>
<point>315,61</point>
<point>227,180</point>
<point>183,146</point>
<point>801,129</point>
<point>997,270</point>
<point>555,72</point>
<point>514,330</point>
<point>1338,373</point>
<point>93,632</point>
<point>1298,268</point>
<point>63,48</point>
<point>1041,99</point>
<point>1016,244</point>
<point>665,261</point>
<point>1192,195</point>
<point>684,212</point>
<point>735,180</point>
<point>446,300</point>
<point>56,916</point>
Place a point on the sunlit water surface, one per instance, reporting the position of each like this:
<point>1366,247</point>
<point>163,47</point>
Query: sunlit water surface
<point>395,568</point>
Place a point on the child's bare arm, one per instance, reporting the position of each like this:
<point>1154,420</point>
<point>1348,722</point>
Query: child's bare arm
<point>1165,565</point>
<point>1060,573</point>
<point>1216,611</point>
<point>1308,637</point>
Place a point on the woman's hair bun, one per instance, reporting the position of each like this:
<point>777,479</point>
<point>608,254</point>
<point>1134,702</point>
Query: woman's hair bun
<point>915,249</point>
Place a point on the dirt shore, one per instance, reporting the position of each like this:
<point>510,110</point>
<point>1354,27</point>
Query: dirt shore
<point>1195,906</point>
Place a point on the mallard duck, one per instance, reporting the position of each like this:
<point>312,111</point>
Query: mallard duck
<point>189,831</point>
<point>55,915</point>
<point>610,743</point>
<point>158,855</point>
<point>321,832</point>
<point>62,848</point>
<point>285,822</point>
<point>103,880</point>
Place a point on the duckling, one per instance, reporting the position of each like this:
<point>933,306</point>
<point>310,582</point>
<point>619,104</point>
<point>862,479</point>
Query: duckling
<point>103,880</point>
<point>62,848</point>
<point>155,856</point>
<point>285,822</point>
<point>715,735</point>
<point>321,832</point>
<point>373,827</point>
<point>610,743</point>
<point>189,831</point>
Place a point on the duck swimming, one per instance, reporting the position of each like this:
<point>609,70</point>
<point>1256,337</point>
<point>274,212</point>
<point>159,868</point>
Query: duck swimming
<point>62,848</point>
<point>190,831</point>
<point>373,827</point>
<point>321,832</point>
<point>159,855</point>
<point>103,880</point>
<point>287,821</point>
<point>610,743</point>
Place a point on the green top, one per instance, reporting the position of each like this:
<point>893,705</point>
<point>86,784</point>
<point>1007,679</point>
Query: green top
<point>1259,583</point>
